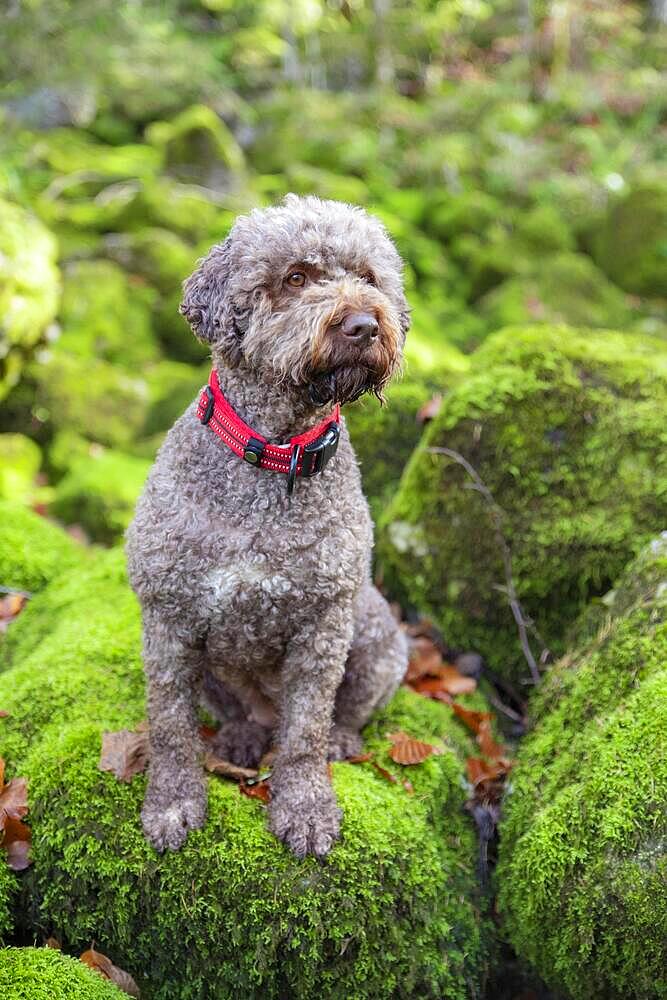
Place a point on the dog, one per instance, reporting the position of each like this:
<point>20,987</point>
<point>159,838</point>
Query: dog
<point>250,549</point>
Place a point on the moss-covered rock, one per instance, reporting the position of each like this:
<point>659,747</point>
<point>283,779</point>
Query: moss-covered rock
<point>631,244</point>
<point>99,492</point>
<point>33,551</point>
<point>385,436</point>
<point>197,145</point>
<point>582,875</point>
<point>567,288</point>
<point>47,974</point>
<point>20,460</point>
<point>29,288</point>
<point>390,913</point>
<point>89,396</point>
<point>104,314</point>
<point>566,429</point>
<point>173,386</point>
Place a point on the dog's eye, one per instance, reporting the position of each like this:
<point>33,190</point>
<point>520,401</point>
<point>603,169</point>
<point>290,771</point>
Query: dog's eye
<point>368,277</point>
<point>297,279</point>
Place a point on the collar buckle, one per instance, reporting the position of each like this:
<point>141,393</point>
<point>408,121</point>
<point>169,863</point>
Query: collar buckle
<point>319,452</point>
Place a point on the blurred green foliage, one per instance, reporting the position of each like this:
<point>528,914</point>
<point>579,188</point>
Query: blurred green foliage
<point>514,150</point>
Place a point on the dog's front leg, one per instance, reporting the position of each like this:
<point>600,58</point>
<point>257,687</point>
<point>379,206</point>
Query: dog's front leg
<point>175,799</point>
<point>303,810</point>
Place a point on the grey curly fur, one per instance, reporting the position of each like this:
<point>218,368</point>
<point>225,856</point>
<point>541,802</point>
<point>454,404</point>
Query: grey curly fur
<point>265,604</point>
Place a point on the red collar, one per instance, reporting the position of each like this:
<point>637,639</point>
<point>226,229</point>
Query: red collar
<point>305,455</point>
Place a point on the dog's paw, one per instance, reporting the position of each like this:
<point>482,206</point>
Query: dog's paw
<point>308,825</point>
<point>241,742</point>
<point>167,821</point>
<point>344,743</point>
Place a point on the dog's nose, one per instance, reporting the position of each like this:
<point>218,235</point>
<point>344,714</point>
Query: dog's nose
<point>360,327</point>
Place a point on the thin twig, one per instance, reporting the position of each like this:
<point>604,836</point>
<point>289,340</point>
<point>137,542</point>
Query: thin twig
<point>496,514</point>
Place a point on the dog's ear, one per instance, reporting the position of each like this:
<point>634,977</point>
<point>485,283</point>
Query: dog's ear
<point>206,305</point>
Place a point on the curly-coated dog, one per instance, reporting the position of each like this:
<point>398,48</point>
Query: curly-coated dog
<point>250,548</point>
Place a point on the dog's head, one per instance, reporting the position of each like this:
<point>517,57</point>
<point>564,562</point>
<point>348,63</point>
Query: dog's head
<point>308,293</point>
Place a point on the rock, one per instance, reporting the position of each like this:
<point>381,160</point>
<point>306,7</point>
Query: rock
<point>197,146</point>
<point>173,386</point>
<point>393,911</point>
<point>583,868</point>
<point>20,459</point>
<point>565,428</point>
<point>35,973</point>
<point>385,436</point>
<point>99,492</point>
<point>631,246</point>
<point>568,288</point>
<point>33,551</point>
<point>29,288</point>
<point>89,396</point>
<point>104,314</point>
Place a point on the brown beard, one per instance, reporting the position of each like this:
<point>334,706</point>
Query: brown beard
<point>345,384</point>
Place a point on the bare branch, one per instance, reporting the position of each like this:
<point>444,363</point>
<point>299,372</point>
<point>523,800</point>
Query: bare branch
<point>496,515</point>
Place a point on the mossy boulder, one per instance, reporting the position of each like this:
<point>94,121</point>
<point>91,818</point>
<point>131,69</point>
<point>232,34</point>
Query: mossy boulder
<point>47,974</point>
<point>105,314</point>
<point>33,551</point>
<point>89,396</point>
<point>99,492</point>
<point>384,436</point>
<point>631,244</point>
<point>173,386</point>
<point>392,912</point>
<point>20,460</point>
<point>566,288</point>
<point>29,288</point>
<point>196,145</point>
<point>582,875</point>
<point>566,428</point>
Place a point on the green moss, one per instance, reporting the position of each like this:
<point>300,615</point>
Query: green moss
<point>99,492</point>
<point>157,255</point>
<point>631,244</point>
<point>33,551</point>
<point>566,429</point>
<point>20,459</point>
<point>173,386</point>
<point>384,437</point>
<point>392,912</point>
<point>46,974</point>
<point>195,142</point>
<point>583,873</point>
<point>106,315</point>
<point>29,288</point>
<point>569,289</point>
<point>89,396</point>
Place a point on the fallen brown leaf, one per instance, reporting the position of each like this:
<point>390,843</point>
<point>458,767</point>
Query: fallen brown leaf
<point>3,714</point>
<point>360,758</point>
<point>425,658</point>
<point>10,606</point>
<point>259,790</point>
<point>53,942</point>
<point>125,753</point>
<point>225,768</point>
<point>407,750</point>
<point>15,836</point>
<point>473,720</point>
<point>494,751</point>
<point>430,409</point>
<point>105,968</point>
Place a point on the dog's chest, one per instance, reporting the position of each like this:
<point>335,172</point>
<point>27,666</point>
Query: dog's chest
<point>263,590</point>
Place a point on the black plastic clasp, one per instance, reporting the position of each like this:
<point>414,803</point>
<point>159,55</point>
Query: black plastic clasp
<point>319,452</point>
<point>253,451</point>
<point>210,404</point>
